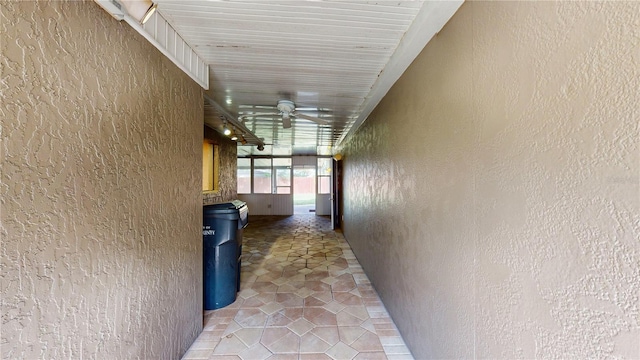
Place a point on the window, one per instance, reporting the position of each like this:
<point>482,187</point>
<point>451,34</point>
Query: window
<point>244,176</point>
<point>262,176</point>
<point>282,168</point>
<point>324,175</point>
<point>266,176</point>
<point>210,166</point>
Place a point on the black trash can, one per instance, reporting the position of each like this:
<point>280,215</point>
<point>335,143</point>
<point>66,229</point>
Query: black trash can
<point>222,247</point>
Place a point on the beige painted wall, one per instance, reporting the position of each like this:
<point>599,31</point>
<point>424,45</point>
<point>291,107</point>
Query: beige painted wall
<point>493,197</point>
<point>101,189</point>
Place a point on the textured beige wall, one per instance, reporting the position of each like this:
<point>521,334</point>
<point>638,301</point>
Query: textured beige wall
<point>101,189</point>
<point>228,152</point>
<point>493,197</point>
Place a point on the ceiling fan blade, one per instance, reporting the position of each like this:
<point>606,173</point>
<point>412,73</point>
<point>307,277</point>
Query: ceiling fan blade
<point>311,118</point>
<point>286,122</point>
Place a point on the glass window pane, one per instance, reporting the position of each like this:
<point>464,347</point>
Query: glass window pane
<point>244,181</point>
<point>282,162</point>
<point>283,177</point>
<point>284,190</point>
<point>244,176</point>
<point>324,183</point>
<point>244,163</point>
<point>324,166</point>
<point>262,181</point>
<point>262,163</point>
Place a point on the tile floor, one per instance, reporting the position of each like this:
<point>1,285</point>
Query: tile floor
<point>303,296</point>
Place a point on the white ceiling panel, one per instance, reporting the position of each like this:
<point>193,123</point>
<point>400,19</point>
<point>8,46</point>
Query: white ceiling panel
<point>333,55</point>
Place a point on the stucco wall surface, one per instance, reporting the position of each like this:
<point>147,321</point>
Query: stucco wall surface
<point>493,197</point>
<point>228,152</point>
<point>101,189</point>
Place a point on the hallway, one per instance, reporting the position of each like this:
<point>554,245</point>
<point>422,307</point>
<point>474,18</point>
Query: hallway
<point>303,296</point>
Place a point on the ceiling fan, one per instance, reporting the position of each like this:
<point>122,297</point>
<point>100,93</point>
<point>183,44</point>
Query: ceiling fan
<point>286,109</point>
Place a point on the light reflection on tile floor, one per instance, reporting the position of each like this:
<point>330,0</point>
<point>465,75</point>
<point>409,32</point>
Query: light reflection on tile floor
<point>303,296</point>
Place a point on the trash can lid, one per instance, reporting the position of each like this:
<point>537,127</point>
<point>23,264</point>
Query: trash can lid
<point>235,204</point>
<point>226,207</point>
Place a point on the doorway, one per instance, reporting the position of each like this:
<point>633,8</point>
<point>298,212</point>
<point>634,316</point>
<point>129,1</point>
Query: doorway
<point>304,189</point>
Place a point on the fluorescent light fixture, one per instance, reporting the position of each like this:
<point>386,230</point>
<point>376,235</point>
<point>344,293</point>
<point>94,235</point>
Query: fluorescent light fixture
<point>113,7</point>
<point>139,10</point>
<point>150,12</point>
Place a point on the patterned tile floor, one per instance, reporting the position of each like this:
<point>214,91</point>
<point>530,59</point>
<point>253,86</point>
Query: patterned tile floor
<point>303,296</point>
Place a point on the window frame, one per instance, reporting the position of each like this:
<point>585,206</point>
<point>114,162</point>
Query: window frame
<point>326,175</point>
<point>275,187</point>
<point>210,167</point>
<point>250,168</point>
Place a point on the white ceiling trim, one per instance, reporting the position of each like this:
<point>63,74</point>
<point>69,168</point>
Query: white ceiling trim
<point>428,22</point>
<point>165,38</point>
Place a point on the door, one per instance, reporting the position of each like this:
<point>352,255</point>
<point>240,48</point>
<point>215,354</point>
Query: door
<point>323,197</point>
<point>336,193</point>
<point>304,189</point>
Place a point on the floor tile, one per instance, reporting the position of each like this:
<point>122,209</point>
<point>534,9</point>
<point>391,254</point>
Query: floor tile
<point>349,334</point>
<point>371,356</point>
<point>343,318</point>
<point>358,311</point>
<point>283,357</point>
<point>312,301</point>
<point>334,306</point>
<point>320,316</point>
<point>230,345</point>
<point>249,336</point>
<point>300,327</point>
<point>231,328</point>
<point>320,356</point>
<point>311,343</point>
<point>251,318</point>
<point>304,292</point>
<point>194,354</point>
<point>289,300</point>
<point>271,308</point>
<point>304,296</point>
<point>247,293</point>
<point>348,298</point>
<point>329,334</point>
<point>396,349</point>
<point>342,351</point>
<point>367,342</point>
<point>224,357</point>
<point>256,352</point>
<point>271,335</point>
<point>289,343</point>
